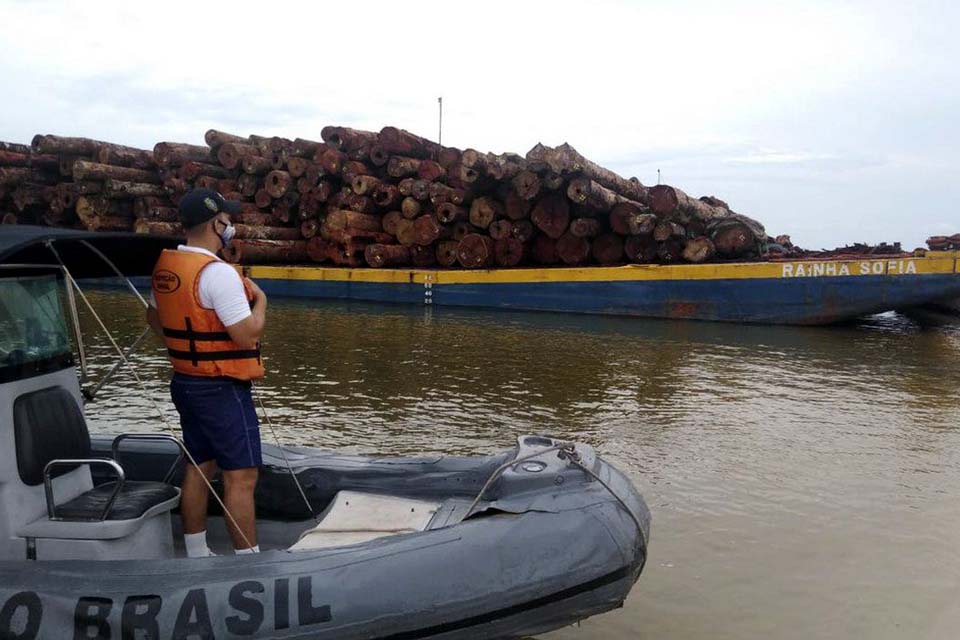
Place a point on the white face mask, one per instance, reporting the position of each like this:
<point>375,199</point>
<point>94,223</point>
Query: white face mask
<point>229,231</point>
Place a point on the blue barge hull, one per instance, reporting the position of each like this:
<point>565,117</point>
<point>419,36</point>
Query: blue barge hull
<point>801,292</point>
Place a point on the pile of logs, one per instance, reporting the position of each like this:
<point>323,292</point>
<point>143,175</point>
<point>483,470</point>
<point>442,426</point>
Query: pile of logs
<point>865,249</point>
<point>78,182</point>
<point>781,248</point>
<point>944,243</point>
<point>387,198</point>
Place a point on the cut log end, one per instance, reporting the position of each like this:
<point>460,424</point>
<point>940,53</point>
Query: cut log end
<point>508,252</point>
<point>411,208</point>
<point>641,249</point>
<point>663,199</point>
<point>699,250</point>
<point>385,195</point>
<point>277,183</point>
<point>485,210</point>
<point>426,230</point>
<point>607,249</point>
<point>585,227</point>
<point>573,250</point>
<point>386,255</point>
<point>545,250</point>
<point>500,229</point>
<point>447,253</point>
<point>423,256</point>
<point>551,215</point>
<point>526,184</point>
<point>449,213</point>
<point>475,251</point>
<point>379,156</point>
<point>734,239</point>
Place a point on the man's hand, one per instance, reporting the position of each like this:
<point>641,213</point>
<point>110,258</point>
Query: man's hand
<point>258,293</point>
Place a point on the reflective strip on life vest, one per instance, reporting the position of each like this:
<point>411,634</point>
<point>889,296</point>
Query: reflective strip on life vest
<point>184,334</point>
<point>206,356</point>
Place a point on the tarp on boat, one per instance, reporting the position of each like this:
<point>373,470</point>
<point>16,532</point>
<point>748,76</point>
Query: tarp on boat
<point>134,254</point>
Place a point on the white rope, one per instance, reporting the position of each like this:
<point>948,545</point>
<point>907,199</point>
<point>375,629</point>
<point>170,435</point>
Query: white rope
<point>568,452</point>
<point>577,463</point>
<point>506,465</point>
<point>90,394</point>
<point>276,438</point>
<point>143,387</point>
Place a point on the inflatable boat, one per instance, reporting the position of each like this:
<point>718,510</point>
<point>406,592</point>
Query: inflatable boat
<point>508,545</point>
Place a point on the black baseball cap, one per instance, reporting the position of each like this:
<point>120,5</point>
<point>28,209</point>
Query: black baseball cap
<point>200,205</point>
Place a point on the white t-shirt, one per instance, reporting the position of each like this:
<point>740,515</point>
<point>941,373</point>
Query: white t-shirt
<point>221,289</point>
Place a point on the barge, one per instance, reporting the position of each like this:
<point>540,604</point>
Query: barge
<point>801,292</point>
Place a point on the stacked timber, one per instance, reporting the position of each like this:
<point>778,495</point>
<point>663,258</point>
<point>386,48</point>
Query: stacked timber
<point>782,247</point>
<point>382,199</point>
<point>944,243</point>
<point>77,182</point>
<point>28,184</point>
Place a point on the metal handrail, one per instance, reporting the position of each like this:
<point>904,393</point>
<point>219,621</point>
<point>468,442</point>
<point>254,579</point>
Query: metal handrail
<point>77,332</point>
<point>48,484</point>
<point>115,448</point>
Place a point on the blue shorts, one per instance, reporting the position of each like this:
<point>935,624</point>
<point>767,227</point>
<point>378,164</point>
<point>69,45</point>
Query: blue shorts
<point>218,420</point>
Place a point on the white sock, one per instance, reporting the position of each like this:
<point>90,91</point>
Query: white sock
<point>242,552</point>
<point>196,544</point>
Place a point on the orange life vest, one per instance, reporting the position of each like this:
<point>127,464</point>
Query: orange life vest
<point>197,341</point>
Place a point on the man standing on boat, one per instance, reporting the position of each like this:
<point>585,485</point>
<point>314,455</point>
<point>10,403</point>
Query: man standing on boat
<point>211,320</point>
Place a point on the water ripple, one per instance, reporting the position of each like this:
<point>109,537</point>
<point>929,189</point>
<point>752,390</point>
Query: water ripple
<point>801,479</point>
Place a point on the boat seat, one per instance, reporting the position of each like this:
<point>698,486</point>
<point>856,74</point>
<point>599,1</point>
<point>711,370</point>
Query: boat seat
<point>133,501</point>
<point>49,426</point>
<point>120,525</point>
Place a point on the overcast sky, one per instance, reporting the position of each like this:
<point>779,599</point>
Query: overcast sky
<point>834,122</point>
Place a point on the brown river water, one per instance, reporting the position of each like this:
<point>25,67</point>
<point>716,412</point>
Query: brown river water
<point>803,481</point>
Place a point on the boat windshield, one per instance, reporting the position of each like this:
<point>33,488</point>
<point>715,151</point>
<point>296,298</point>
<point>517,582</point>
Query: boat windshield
<point>33,331</point>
